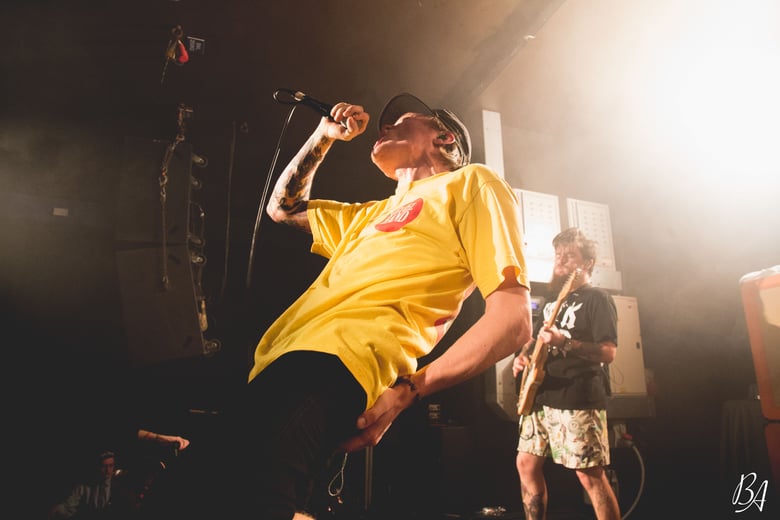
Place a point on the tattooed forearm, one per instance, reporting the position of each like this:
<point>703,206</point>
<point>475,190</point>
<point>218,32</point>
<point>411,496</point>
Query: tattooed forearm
<point>292,197</point>
<point>591,351</point>
<point>291,192</point>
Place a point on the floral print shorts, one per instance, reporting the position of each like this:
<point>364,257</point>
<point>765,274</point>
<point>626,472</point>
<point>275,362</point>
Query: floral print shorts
<point>576,439</point>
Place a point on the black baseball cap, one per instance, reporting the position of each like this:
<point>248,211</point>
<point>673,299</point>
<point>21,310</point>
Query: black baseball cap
<point>405,103</point>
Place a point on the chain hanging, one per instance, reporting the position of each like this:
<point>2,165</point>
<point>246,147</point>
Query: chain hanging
<point>163,180</point>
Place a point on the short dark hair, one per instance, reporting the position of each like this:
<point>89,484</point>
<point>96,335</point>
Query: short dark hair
<point>106,455</point>
<point>574,236</point>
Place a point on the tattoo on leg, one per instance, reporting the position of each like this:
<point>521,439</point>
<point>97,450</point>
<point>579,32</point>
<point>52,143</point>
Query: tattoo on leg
<point>605,504</point>
<point>533,504</point>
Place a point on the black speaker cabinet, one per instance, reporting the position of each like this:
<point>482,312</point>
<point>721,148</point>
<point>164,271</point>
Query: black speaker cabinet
<point>140,213</point>
<point>161,323</point>
<point>161,320</point>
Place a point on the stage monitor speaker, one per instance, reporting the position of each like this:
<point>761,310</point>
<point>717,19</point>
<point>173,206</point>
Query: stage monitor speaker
<point>139,216</point>
<point>501,389</point>
<point>627,371</point>
<point>761,302</point>
<point>160,324</point>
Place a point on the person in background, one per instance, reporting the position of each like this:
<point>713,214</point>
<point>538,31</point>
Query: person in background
<point>91,498</point>
<point>106,492</point>
<point>568,421</point>
<point>332,373</point>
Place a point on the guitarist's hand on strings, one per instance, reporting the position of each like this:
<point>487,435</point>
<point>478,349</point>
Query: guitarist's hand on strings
<point>558,341</point>
<point>554,338</point>
<point>551,336</point>
<point>523,358</point>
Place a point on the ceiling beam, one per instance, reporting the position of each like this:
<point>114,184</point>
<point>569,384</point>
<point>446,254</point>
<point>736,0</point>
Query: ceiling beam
<point>497,50</point>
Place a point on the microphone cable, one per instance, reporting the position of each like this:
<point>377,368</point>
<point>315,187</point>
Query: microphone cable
<point>263,197</point>
<point>231,164</point>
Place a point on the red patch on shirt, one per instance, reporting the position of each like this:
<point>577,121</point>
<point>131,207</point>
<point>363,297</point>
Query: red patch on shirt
<point>440,325</point>
<point>401,216</point>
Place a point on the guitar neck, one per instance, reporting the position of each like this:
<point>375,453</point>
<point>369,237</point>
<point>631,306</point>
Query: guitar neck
<point>556,309</point>
<point>533,374</point>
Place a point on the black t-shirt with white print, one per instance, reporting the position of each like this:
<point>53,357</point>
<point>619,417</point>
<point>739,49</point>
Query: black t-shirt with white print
<point>571,382</point>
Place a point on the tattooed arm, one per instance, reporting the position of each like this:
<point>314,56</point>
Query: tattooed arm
<point>289,199</point>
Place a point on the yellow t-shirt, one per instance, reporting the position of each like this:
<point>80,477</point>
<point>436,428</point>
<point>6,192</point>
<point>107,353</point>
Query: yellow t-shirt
<point>399,270</point>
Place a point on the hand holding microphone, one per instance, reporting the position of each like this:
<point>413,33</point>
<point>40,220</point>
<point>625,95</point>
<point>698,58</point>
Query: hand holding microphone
<point>352,118</point>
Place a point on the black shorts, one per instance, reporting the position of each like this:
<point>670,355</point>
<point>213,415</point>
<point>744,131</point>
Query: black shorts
<point>294,415</point>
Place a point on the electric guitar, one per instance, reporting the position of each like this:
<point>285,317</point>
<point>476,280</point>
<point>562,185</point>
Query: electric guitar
<point>533,374</point>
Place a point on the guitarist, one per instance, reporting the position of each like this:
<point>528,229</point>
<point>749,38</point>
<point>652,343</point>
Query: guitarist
<point>568,420</point>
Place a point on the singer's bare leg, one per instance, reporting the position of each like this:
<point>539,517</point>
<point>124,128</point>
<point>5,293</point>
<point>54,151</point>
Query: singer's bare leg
<point>533,488</point>
<point>594,481</point>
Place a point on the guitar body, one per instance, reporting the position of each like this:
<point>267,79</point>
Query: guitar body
<point>533,374</point>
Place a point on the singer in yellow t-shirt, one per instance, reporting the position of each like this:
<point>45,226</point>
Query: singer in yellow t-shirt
<point>337,367</point>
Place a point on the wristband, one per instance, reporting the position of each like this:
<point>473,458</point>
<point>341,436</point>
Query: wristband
<point>404,380</point>
<point>567,346</point>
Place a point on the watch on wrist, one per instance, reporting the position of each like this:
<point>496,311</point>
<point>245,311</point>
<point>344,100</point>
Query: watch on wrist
<point>567,345</point>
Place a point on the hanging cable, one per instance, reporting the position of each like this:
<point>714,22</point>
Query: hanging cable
<point>641,488</point>
<point>263,197</point>
<point>183,112</point>
<point>231,162</point>
<point>336,484</point>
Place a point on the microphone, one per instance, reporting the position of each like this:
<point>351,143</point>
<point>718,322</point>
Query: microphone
<point>318,106</point>
<point>298,97</point>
